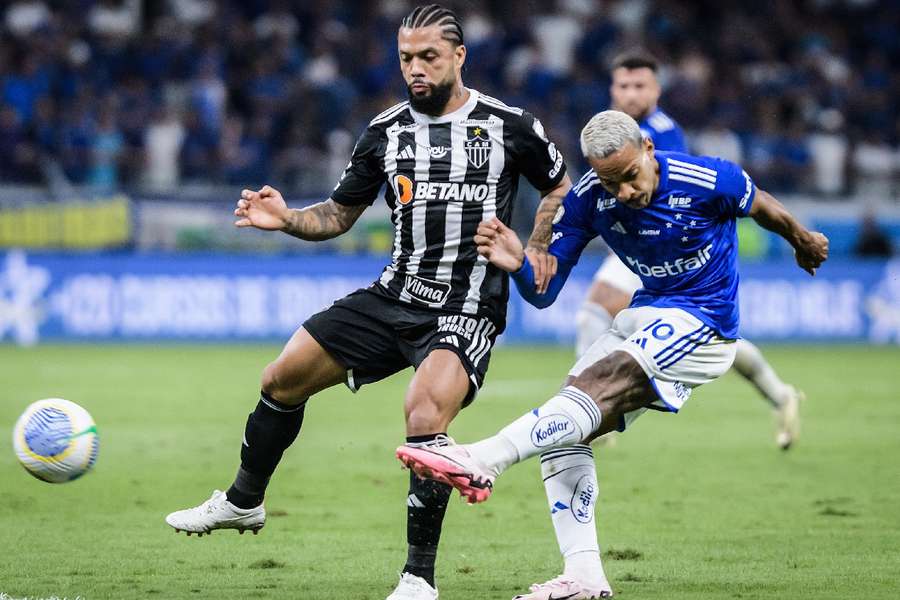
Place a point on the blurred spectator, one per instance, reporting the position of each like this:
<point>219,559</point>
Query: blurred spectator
<point>873,242</point>
<point>875,164</point>
<point>106,151</point>
<point>828,148</point>
<point>23,18</point>
<point>162,144</point>
<point>719,140</point>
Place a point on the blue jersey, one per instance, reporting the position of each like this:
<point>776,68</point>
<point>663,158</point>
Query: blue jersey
<point>664,131</point>
<point>683,245</point>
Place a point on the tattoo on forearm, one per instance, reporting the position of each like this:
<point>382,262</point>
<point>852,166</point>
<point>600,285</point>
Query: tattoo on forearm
<point>322,221</point>
<point>543,222</point>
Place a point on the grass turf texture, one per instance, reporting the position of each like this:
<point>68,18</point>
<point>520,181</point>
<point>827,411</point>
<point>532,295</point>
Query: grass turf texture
<point>699,505</point>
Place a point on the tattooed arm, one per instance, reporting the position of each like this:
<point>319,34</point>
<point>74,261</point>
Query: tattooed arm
<point>543,263</point>
<point>266,209</point>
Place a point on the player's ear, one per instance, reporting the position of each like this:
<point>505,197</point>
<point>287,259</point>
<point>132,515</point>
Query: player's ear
<point>460,54</point>
<point>649,148</point>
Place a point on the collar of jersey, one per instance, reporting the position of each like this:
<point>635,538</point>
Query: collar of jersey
<point>459,113</point>
<point>662,189</point>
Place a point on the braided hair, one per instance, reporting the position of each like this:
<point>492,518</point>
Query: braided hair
<point>435,14</point>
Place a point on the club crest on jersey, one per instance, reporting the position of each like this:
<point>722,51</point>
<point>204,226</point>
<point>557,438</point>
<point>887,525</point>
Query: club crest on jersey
<point>478,147</point>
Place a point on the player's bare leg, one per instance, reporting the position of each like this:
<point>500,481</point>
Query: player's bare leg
<point>784,398</point>
<point>302,369</point>
<point>433,399</point>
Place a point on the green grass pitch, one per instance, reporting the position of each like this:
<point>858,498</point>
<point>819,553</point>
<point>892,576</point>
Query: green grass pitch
<point>695,506</point>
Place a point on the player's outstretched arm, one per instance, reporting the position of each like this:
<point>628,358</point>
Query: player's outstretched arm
<point>810,247</point>
<point>266,209</point>
<point>502,247</point>
<point>542,261</point>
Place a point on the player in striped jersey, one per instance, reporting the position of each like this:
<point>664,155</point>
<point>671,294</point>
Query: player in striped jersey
<point>448,158</point>
<point>636,91</point>
<point>672,218</point>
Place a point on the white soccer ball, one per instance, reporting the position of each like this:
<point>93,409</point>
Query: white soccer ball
<point>56,440</point>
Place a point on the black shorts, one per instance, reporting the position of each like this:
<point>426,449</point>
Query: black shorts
<point>373,337</point>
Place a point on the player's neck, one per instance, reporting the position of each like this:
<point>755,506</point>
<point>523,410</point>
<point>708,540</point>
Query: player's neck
<point>656,172</point>
<point>459,97</point>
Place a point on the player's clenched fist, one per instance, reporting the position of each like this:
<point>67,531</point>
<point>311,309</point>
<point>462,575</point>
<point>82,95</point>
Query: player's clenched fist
<point>812,251</point>
<point>500,245</point>
<point>265,209</point>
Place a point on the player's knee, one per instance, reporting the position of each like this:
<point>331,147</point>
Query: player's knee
<point>273,383</point>
<point>425,413</point>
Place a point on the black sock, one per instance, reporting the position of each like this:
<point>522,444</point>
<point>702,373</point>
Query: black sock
<point>426,505</point>
<point>270,429</point>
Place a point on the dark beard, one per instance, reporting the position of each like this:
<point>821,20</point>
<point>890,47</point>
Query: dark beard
<point>431,104</point>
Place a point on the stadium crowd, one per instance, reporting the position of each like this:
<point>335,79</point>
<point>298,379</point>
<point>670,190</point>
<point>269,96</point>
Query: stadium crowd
<point>151,95</point>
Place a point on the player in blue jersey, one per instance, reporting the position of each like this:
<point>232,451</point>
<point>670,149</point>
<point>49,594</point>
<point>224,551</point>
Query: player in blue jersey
<point>636,91</point>
<point>672,218</point>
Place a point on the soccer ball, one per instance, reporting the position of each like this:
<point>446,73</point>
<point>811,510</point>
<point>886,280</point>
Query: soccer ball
<point>56,440</point>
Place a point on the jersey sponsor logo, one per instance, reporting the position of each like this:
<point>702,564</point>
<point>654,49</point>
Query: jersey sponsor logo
<point>438,151</point>
<point>748,189</point>
<point>679,202</point>
<point>403,188</point>
<point>619,228</point>
<point>480,122</point>
<point>560,213</point>
<point>648,232</point>
<point>605,203</point>
<point>556,236</point>
<point>478,147</point>
<point>679,266</point>
<point>557,158</point>
<point>583,499</point>
<point>551,429</point>
<point>451,190</point>
<point>426,290</point>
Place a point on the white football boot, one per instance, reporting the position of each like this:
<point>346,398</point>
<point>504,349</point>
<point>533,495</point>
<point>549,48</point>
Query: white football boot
<point>413,587</point>
<point>566,588</point>
<point>788,417</point>
<point>217,513</point>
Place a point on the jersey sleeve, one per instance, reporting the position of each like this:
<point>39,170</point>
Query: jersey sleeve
<point>571,233</point>
<point>572,229</point>
<point>364,175</point>
<point>734,191</point>
<point>535,156</point>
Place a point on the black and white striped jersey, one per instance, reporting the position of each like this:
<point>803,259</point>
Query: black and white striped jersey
<point>444,176</point>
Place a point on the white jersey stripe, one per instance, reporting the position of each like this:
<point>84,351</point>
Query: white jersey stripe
<point>477,340</point>
<point>686,165</point>
<point>486,345</point>
<point>585,188</point>
<point>584,182</point>
<point>453,219</point>
<point>390,167</point>
<point>389,113</point>
<point>496,163</point>
<point>686,179</point>
<point>419,207</point>
<point>490,101</point>
<point>692,173</point>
